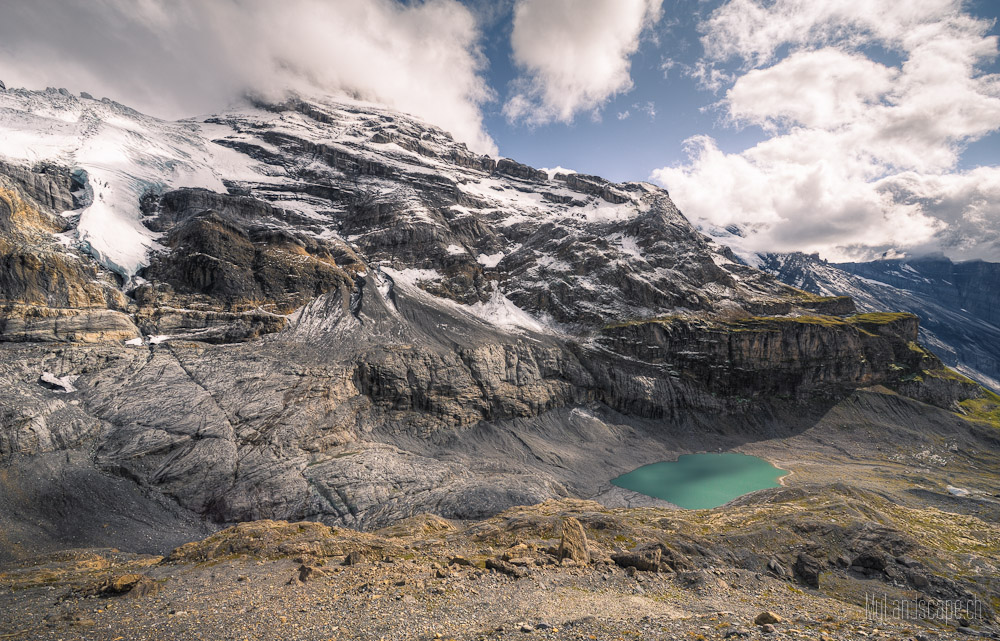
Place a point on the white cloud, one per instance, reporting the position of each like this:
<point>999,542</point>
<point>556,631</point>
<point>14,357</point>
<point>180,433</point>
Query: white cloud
<point>799,192</point>
<point>623,115</point>
<point>862,153</point>
<point>708,76</point>
<point>825,88</point>
<point>177,58</point>
<point>754,31</point>
<point>648,108</point>
<point>968,203</point>
<point>574,55</point>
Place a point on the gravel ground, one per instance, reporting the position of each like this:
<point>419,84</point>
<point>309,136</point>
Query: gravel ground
<point>426,578</point>
<point>249,599</point>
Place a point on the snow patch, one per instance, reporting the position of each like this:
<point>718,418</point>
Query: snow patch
<point>60,384</point>
<point>629,245</point>
<point>461,209</point>
<point>490,260</point>
<point>549,262</point>
<point>610,214</point>
<point>557,170</point>
<point>412,276</point>
<point>124,154</point>
<point>957,491</point>
<point>499,310</point>
<point>455,250</point>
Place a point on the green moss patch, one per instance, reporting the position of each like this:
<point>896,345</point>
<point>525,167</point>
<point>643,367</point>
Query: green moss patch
<point>985,409</point>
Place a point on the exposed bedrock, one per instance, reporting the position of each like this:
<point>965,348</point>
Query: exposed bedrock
<point>375,322</point>
<point>786,356</point>
<point>367,407</point>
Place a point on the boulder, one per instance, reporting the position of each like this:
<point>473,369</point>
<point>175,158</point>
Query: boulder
<point>869,561</point>
<point>504,567</point>
<point>777,569</point>
<point>807,569</point>
<point>645,559</point>
<point>307,572</point>
<point>767,618</point>
<point>573,544</point>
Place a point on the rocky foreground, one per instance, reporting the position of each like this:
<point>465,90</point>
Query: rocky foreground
<point>777,564</point>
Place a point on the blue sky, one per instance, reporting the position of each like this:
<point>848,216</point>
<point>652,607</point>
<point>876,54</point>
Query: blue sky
<point>620,149</point>
<point>632,148</point>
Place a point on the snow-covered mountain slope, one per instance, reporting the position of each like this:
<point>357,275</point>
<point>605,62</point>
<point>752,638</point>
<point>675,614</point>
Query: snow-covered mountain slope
<point>358,184</point>
<point>119,155</point>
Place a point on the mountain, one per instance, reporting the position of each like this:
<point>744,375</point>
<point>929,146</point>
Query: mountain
<point>322,309</point>
<point>958,303</point>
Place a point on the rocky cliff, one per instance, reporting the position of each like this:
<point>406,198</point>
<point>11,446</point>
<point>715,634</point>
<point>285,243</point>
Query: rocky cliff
<point>956,302</point>
<point>330,311</point>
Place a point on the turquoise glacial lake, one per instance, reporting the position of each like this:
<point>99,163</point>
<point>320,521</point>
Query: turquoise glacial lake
<point>702,481</point>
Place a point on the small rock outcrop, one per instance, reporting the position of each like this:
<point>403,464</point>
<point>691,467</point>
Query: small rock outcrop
<point>573,544</point>
<point>808,569</point>
<point>131,585</point>
<point>643,559</point>
<point>515,169</point>
<point>767,618</point>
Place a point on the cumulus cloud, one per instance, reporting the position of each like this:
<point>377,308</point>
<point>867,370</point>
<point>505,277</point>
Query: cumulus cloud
<point>862,153</point>
<point>176,58</point>
<point>967,203</point>
<point>574,55</point>
<point>825,88</point>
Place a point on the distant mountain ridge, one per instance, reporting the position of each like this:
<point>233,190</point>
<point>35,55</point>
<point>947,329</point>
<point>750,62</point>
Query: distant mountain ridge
<point>958,303</point>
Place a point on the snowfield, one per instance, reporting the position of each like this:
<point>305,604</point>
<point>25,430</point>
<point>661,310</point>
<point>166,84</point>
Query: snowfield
<point>124,154</point>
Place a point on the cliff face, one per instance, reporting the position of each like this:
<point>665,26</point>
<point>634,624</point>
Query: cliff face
<point>341,314</point>
<point>48,293</point>
<point>786,356</point>
<point>955,302</point>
